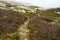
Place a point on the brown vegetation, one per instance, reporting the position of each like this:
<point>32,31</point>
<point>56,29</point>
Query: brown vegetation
<point>10,21</point>
<point>43,29</point>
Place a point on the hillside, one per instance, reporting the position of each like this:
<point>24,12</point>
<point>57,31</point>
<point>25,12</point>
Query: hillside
<point>28,22</point>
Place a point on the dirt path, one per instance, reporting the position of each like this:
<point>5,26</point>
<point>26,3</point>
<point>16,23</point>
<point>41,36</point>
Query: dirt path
<point>23,31</point>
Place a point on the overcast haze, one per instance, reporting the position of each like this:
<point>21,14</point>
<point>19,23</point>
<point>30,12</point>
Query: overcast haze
<point>41,3</point>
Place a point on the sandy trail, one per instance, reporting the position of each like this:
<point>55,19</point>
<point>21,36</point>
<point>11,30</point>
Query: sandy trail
<point>23,31</point>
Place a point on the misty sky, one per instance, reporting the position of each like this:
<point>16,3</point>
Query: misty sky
<point>41,3</point>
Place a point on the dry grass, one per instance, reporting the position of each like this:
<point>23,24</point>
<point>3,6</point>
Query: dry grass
<point>43,29</point>
<point>10,21</point>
